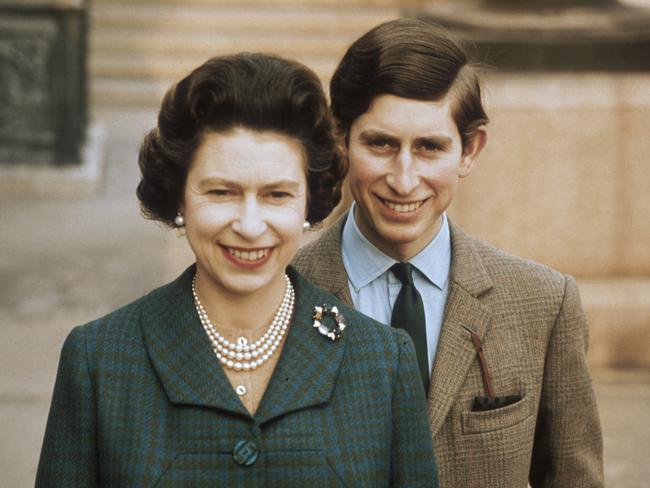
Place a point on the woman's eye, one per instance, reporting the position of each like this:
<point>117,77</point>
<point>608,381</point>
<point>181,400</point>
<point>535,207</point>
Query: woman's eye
<point>279,195</point>
<point>221,192</point>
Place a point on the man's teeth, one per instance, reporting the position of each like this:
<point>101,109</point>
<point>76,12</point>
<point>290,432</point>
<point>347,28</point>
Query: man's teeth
<point>404,207</point>
<point>248,255</point>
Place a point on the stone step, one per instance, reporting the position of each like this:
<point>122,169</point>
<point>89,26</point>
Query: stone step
<point>119,42</point>
<point>116,94</point>
<point>163,68</point>
<point>137,85</point>
<point>137,49</point>
<point>255,3</point>
<point>296,20</point>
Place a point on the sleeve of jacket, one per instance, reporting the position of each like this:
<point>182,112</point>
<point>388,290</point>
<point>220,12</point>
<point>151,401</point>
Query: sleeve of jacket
<point>413,463</point>
<point>568,440</point>
<point>69,453</point>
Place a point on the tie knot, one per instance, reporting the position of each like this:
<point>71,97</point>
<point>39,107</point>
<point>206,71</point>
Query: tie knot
<point>403,272</point>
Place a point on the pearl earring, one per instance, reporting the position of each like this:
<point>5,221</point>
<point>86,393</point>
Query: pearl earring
<point>306,225</point>
<point>179,220</point>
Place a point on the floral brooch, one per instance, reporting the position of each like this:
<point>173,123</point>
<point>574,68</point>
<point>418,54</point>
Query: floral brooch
<point>327,313</point>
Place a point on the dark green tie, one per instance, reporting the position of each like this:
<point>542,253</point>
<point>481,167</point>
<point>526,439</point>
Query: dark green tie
<point>408,314</point>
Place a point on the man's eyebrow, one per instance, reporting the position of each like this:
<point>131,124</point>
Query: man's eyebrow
<point>370,134</point>
<point>441,141</point>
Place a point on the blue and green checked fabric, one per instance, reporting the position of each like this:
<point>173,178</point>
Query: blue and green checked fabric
<point>140,400</point>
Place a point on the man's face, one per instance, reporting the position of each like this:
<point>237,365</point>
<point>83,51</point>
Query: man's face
<point>406,157</point>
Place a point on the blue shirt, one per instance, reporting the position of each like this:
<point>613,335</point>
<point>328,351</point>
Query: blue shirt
<point>374,288</point>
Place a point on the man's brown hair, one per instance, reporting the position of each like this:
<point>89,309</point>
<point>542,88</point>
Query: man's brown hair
<point>409,58</point>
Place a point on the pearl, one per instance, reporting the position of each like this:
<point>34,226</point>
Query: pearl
<point>248,356</point>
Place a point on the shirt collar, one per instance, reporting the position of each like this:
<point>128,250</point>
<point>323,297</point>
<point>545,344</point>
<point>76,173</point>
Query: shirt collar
<point>434,260</point>
<point>365,263</point>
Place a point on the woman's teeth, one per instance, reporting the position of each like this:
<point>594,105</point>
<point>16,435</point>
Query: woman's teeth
<point>248,255</point>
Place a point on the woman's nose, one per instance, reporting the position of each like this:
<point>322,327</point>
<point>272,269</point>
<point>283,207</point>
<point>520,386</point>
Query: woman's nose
<point>250,223</point>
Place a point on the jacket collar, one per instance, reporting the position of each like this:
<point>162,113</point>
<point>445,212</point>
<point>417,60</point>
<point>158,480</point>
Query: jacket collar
<point>190,373</point>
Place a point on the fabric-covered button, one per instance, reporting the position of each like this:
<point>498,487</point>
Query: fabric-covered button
<point>245,453</point>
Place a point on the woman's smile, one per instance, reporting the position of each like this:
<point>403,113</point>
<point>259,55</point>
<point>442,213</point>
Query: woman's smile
<point>247,258</point>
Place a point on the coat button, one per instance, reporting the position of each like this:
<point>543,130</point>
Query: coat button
<point>245,453</point>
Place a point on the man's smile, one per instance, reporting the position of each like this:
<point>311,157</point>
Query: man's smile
<point>403,207</point>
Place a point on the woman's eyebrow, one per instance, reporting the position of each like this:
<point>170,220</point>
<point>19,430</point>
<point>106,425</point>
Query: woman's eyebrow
<point>216,180</point>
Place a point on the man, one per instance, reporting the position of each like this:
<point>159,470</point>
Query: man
<point>501,340</point>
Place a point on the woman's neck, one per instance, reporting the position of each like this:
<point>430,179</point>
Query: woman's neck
<point>233,310</point>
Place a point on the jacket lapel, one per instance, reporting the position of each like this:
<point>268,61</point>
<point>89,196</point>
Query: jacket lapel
<point>330,261</point>
<point>180,350</point>
<point>464,310</point>
<point>306,372</point>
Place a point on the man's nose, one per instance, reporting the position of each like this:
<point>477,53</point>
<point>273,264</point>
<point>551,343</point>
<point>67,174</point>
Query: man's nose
<point>403,177</point>
<point>250,223</point>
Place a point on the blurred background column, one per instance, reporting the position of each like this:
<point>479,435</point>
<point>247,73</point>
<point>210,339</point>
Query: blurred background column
<point>564,178</point>
<point>546,35</point>
<point>43,105</point>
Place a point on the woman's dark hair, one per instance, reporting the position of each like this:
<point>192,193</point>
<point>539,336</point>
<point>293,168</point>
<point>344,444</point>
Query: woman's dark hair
<point>409,58</point>
<point>255,91</point>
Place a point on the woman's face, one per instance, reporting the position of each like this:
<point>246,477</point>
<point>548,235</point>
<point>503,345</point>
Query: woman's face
<point>244,204</point>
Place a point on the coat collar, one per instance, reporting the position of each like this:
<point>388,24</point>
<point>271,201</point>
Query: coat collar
<point>190,373</point>
<point>464,310</point>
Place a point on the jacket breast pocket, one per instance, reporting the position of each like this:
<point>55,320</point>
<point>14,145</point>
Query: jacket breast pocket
<point>501,418</point>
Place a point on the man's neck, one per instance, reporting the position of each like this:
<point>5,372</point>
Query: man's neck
<point>400,251</point>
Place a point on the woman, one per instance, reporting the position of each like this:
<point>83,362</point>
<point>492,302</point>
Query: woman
<point>239,373</point>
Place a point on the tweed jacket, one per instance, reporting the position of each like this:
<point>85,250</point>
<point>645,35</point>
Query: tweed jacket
<point>140,400</point>
<point>534,336</point>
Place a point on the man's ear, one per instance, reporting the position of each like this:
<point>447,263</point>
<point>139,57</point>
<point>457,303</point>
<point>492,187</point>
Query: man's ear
<point>472,150</point>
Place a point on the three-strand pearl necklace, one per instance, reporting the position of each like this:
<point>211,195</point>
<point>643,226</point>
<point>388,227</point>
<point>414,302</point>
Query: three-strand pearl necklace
<point>240,355</point>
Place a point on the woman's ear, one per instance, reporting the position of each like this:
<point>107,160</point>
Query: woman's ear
<point>472,150</point>
<point>343,147</point>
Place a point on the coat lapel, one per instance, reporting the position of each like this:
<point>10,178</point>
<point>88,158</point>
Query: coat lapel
<point>190,373</point>
<point>306,372</point>
<point>180,350</point>
<point>464,310</point>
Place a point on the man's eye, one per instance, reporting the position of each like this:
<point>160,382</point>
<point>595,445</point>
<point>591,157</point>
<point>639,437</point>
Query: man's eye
<point>430,146</point>
<point>380,143</point>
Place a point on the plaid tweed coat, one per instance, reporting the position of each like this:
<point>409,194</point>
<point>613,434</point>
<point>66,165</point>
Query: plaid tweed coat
<point>140,400</point>
<point>534,336</point>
